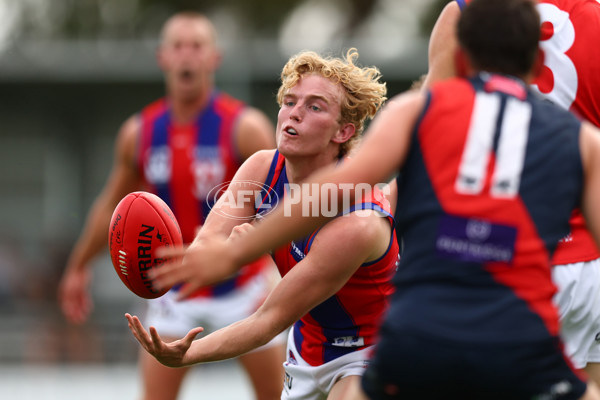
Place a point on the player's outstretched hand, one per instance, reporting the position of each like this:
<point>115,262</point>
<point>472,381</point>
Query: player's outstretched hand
<point>204,263</point>
<point>170,354</point>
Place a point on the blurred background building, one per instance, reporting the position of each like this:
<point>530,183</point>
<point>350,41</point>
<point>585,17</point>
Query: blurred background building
<point>72,70</point>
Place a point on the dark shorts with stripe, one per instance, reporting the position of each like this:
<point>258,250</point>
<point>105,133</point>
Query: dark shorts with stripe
<point>412,366</point>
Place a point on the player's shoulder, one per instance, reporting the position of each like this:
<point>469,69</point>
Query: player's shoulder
<point>132,125</point>
<point>154,109</point>
<point>254,119</point>
<point>129,131</point>
<point>366,231</point>
<point>262,157</point>
<point>360,224</point>
<point>256,167</point>
<point>589,141</point>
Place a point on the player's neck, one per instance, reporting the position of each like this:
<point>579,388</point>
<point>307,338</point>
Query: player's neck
<point>186,108</point>
<point>299,168</point>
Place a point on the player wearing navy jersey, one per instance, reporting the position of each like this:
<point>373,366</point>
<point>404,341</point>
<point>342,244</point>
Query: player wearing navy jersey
<point>335,281</point>
<point>480,216</point>
<point>569,78</point>
<point>180,147</point>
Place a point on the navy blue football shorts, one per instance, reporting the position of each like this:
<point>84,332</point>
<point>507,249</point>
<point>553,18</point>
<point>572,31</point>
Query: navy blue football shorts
<point>411,366</point>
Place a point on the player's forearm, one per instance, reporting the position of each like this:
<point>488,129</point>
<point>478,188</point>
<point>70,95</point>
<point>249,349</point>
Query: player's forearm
<point>222,221</point>
<point>286,223</point>
<point>229,342</point>
<point>93,238</point>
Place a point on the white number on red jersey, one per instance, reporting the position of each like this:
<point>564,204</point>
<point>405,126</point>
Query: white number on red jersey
<point>564,89</point>
<point>510,154</point>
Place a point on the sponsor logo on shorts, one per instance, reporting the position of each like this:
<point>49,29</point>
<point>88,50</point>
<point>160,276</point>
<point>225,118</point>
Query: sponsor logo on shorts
<point>557,391</point>
<point>597,338</point>
<point>287,381</point>
<point>567,239</point>
<point>348,341</point>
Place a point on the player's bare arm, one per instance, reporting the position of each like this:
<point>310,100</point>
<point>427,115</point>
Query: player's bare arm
<point>589,140</point>
<point>442,45</point>
<point>73,290</point>
<point>337,251</point>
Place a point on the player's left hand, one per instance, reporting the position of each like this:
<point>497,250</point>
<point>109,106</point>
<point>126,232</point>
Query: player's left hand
<point>170,354</point>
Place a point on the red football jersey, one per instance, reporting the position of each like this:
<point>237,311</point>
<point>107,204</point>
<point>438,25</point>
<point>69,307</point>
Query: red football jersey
<point>187,164</point>
<point>571,79</point>
<point>349,320</point>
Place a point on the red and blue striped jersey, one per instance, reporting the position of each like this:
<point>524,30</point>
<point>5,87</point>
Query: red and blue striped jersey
<point>347,321</point>
<point>491,178</point>
<point>571,80</point>
<point>187,164</point>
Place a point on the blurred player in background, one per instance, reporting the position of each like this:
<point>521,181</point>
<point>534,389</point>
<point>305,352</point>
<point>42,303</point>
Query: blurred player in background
<point>570,78</point>
<point>181,147</point>
<point>336,281</point>
<point>490,176</point>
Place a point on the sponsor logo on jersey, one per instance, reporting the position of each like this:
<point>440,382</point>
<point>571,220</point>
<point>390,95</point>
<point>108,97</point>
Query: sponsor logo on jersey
<point>475,240</point>
<point>208,169</point>
<point>158,165</point>
<point>292,358</point>
<point>299,253</point>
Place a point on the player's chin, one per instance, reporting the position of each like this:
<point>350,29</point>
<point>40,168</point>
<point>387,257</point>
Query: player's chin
<point>188,91</point>
<point>288,149</point>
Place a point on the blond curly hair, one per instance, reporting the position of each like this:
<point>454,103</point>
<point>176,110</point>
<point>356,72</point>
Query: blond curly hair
<point>363,93</point>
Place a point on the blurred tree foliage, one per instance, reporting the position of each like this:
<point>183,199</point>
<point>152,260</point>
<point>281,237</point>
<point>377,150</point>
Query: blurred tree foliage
<point>135,18</point>
<point>429,18</point>
<point>128,19</point>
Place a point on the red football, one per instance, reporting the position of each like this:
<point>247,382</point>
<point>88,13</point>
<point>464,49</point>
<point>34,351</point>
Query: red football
<point>141,223</point>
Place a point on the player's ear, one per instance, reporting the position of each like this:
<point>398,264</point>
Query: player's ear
<point>345,133</point>
<point>217,57</point>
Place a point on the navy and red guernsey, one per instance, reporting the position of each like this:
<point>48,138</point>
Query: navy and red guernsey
<point>184,163</point>
<point>349,320</point>
<point>571,80</point>
<point>491,178</point>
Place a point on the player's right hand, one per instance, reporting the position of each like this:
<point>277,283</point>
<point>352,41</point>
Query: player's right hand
<point>74,296</point>
<point>171,354</point>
